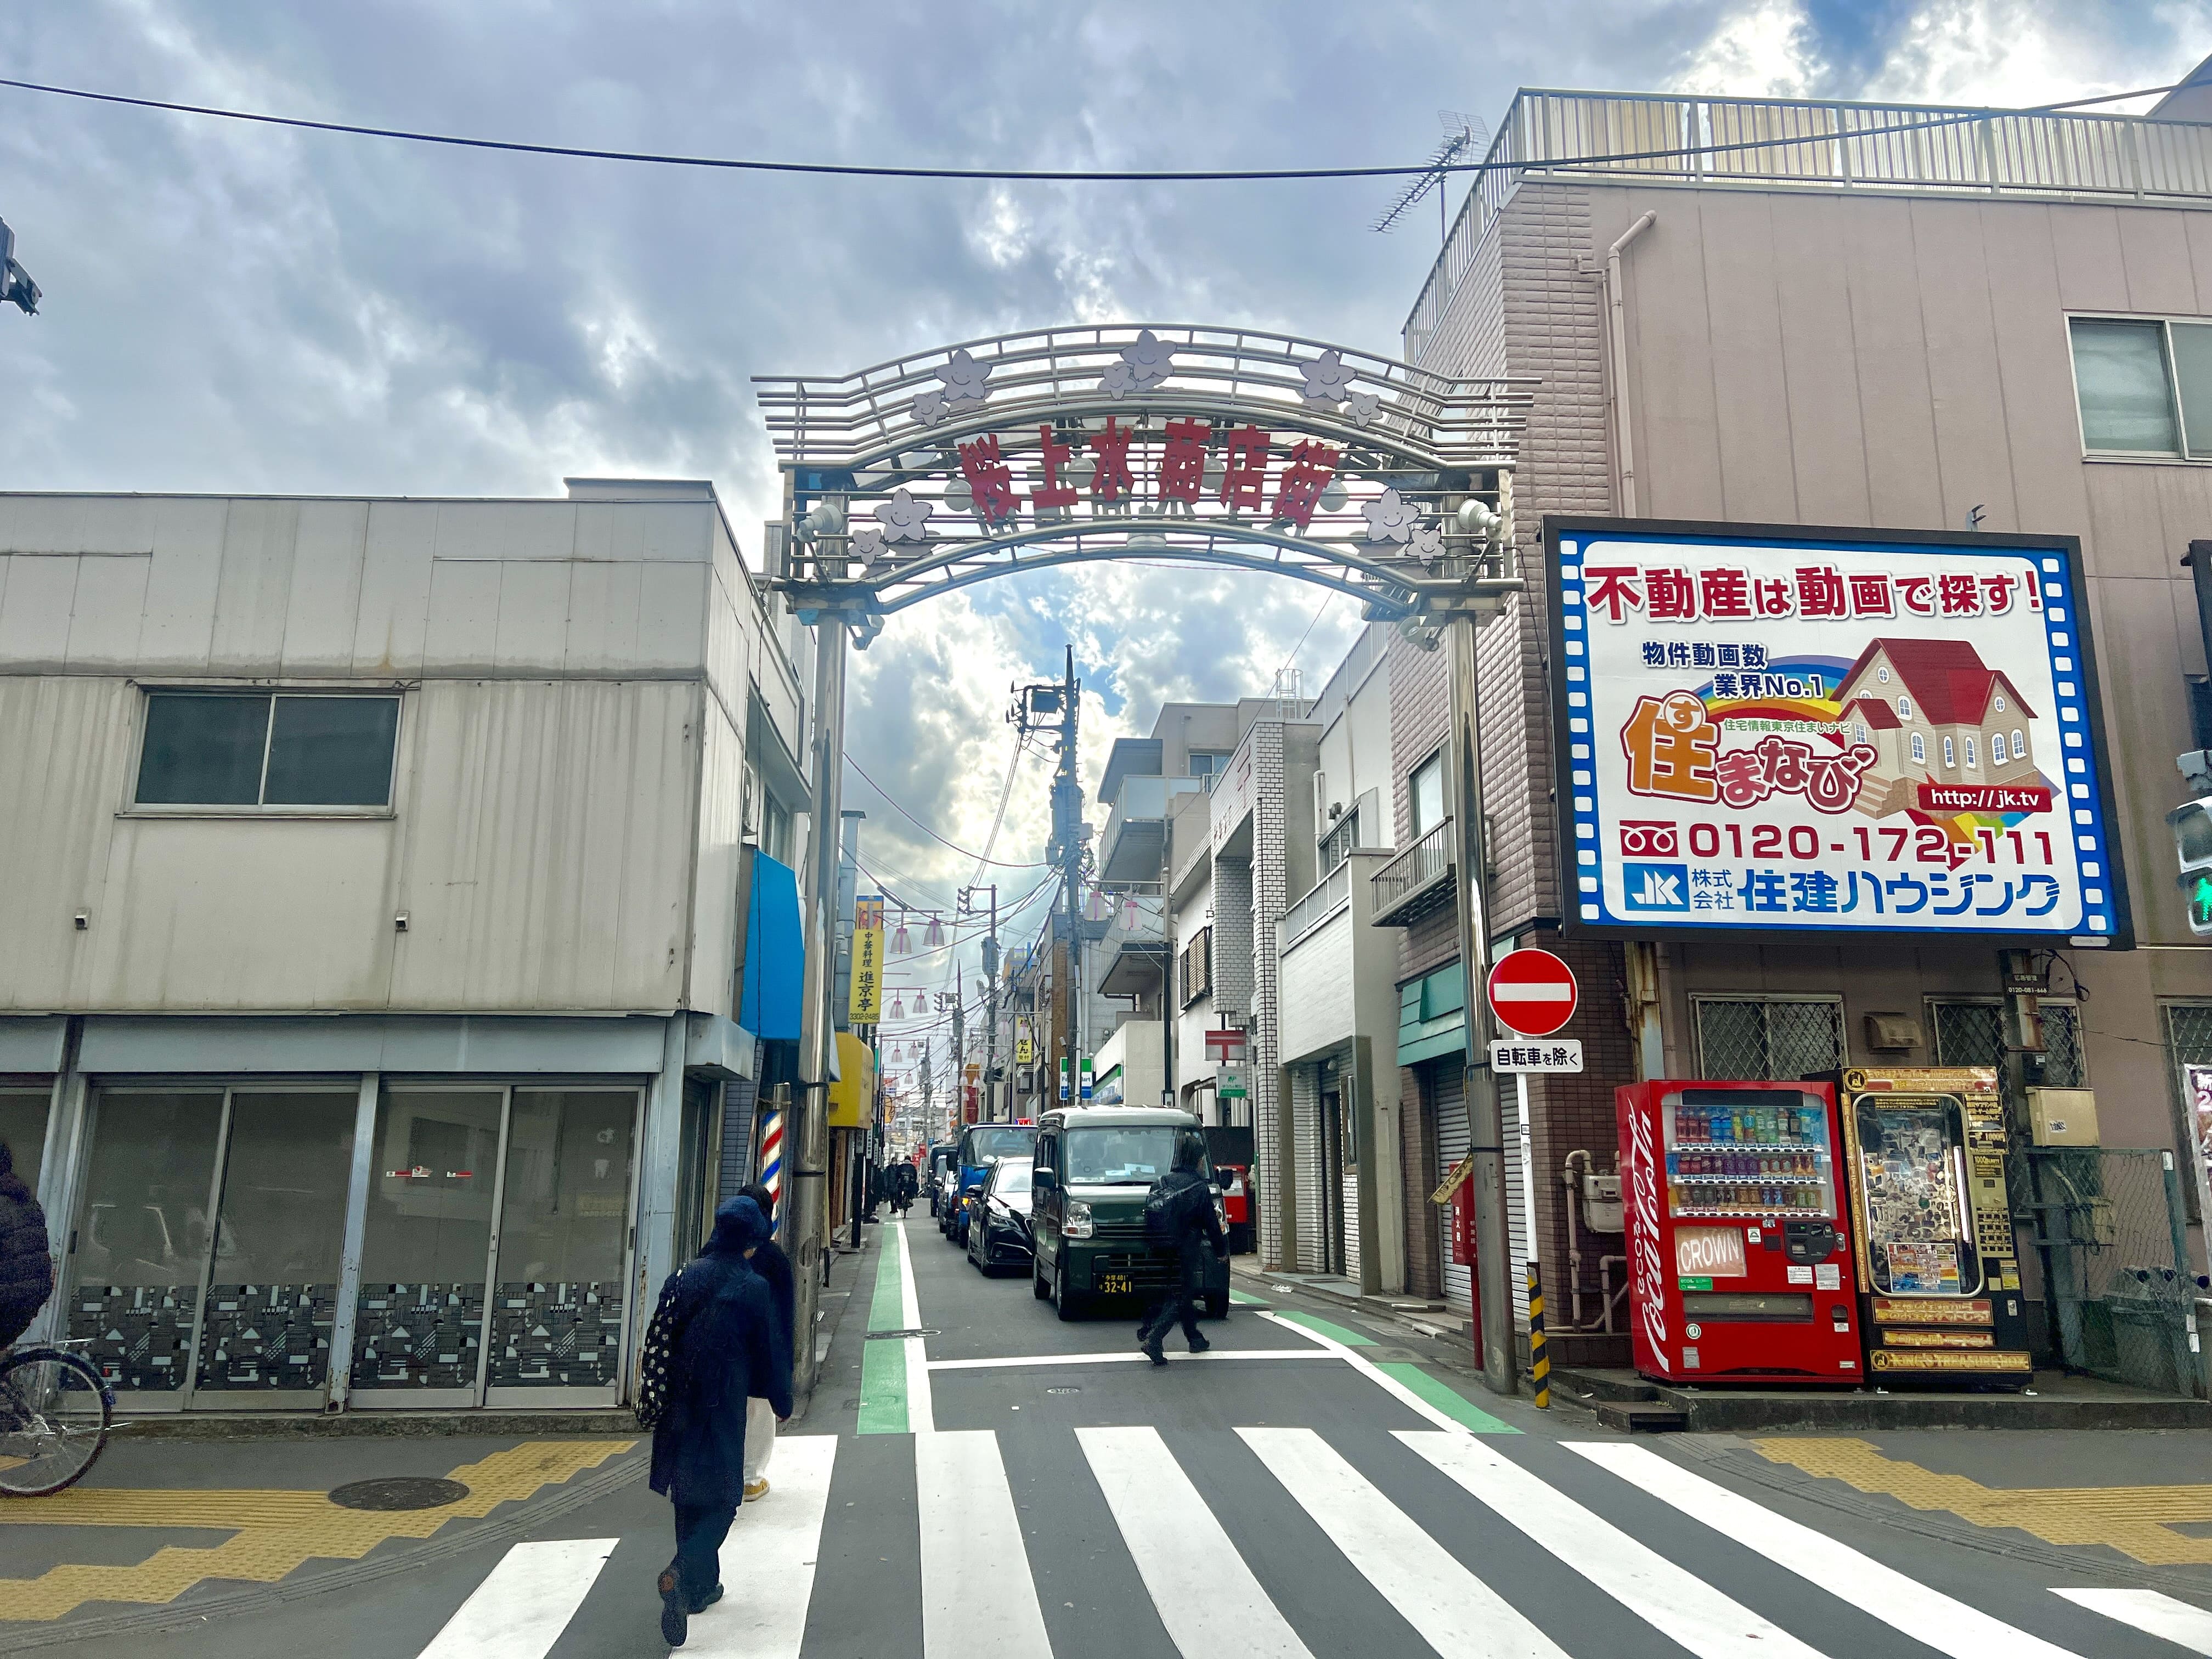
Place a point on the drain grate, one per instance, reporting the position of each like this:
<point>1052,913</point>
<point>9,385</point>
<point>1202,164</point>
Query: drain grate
<point>1068,1389</point>
<point>918,1330</point>
<point>398,1492</point>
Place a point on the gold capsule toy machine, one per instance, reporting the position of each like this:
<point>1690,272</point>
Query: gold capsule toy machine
<point>1931,1231</point>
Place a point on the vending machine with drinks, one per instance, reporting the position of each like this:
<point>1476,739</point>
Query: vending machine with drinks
<point>1932,1231</point>
<point>1738,1270</point>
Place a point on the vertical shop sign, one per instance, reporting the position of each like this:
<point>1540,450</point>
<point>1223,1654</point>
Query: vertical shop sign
<point>1829,732</point>
<point>868,1003</point>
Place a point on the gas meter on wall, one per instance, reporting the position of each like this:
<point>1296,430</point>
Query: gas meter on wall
<point>1601,1204</point>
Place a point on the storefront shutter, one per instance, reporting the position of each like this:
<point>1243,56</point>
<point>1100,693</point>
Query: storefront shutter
<point>1447,1089</point>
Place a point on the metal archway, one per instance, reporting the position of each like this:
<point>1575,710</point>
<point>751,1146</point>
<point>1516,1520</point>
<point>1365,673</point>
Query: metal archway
<point>1235,449</point>
<point>1232,447</point>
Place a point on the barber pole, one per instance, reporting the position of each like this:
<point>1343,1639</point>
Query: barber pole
<point>772,1168</point>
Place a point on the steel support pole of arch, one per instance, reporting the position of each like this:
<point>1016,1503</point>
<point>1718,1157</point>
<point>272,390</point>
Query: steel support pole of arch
<point>806,1140</point>
<point>1492,1244</point>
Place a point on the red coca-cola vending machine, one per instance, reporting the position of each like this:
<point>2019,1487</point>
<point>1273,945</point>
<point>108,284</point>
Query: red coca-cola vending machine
<point>1740,1267</point>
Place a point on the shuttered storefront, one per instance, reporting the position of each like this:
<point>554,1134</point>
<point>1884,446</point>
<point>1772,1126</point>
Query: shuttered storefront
<point>1445,1088</point>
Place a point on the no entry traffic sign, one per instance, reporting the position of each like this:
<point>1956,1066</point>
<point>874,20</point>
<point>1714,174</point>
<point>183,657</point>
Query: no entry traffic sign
<point>1532,992</point>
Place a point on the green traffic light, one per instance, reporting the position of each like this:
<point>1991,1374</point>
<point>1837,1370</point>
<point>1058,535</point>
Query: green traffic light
<point>2197,887</point>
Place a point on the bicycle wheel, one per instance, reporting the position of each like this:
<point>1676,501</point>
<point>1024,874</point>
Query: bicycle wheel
<point>55,1413</point>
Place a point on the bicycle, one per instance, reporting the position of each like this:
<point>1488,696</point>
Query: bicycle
<point>56,1413</point>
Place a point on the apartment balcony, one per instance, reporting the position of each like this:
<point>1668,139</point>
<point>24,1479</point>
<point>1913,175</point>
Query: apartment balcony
<point>1137,828</point>
<point>1136,956</point>
<point>1417,883</point>
<point>1960,151</point>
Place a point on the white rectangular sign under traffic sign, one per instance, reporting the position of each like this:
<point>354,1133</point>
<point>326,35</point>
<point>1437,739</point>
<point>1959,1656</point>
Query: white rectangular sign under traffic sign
<point>1529,1054</point>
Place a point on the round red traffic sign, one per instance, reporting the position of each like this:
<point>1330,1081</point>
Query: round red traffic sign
<point>1532,993</point>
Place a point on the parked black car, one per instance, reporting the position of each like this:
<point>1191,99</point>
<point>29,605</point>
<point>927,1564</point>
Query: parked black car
<point>998,1234</point>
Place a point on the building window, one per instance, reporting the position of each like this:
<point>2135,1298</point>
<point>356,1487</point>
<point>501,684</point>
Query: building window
<point>1343,835</point>
<point>1919,748</point>
<point>1859,731</point>
<point>1971,761</point>
<point>2000,702</point>
<point>1424,794</point>
<point>2144,386</point>
<point>1882,674</point>
<point>262,749</point>
<point>1950,754</point>
<point>1905,708</point>
<point>1758,1039</point>
<point>2019,744</point>
<point>1196,969</point>
<point>1998,753</point>
<point>1972,1033</point>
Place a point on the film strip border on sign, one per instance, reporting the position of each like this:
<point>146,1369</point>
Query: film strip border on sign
<point>2087,777</point>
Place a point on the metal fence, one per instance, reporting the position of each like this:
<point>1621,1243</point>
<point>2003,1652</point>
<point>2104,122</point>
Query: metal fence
<point>1749,1039</point>
<point>1952,150</point>
<point>2109,1226</point>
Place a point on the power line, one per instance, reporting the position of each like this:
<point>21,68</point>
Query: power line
<point>980,858</point>
<point>1011,175</point>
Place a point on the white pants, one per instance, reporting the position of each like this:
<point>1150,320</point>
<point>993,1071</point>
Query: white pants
<point>760,1437</point>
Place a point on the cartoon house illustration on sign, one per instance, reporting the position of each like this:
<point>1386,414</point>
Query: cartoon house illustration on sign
<point>1933,710</point>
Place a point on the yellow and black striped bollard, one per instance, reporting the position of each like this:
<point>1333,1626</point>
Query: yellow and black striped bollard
<point>1539,1363</point>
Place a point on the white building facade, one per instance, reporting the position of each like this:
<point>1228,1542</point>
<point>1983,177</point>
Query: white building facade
<point>388,880</point>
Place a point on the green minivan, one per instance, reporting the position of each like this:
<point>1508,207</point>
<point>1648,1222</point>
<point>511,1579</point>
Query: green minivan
<point>1094,1165</point>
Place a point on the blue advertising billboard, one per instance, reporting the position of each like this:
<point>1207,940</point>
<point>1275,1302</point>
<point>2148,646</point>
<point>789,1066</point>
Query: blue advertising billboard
<point>1873,733</point>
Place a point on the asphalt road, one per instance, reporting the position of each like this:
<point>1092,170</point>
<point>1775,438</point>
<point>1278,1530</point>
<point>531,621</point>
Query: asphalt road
<point>1006,1484</point>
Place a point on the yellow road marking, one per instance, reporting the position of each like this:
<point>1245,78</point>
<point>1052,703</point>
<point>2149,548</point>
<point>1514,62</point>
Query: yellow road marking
<point>275,1532</point>
<point>2136,1520</point>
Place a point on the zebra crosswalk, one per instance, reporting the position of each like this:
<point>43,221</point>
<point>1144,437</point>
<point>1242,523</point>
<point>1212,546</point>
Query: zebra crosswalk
<point>1249,1543</point>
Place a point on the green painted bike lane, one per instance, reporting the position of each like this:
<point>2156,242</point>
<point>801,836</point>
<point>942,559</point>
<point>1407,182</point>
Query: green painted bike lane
<point>883,1360</point>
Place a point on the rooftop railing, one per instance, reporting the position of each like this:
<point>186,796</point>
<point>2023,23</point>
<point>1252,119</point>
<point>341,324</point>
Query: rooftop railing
<point>1959,150</point>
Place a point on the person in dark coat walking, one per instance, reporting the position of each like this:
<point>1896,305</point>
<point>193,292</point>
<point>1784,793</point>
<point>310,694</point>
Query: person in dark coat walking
<point>1197,1228</point>
<point>769,1261</point>
<point>722,1351</point>
<point>27,1263</point>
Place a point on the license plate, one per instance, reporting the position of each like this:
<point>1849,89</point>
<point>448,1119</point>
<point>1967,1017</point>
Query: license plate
<point>1115,1285</point>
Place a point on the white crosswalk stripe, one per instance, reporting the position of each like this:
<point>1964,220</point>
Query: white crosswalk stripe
<point>778,1542</point>
<point>1456,1614</point>
<point>521,1609</point>
<point>1205,1595</point>
<point>1669,1598</point>
<point>978,1592</point>
<point>2178,1622</point>
<point>1927,1615</point>
<point>982,1557</point>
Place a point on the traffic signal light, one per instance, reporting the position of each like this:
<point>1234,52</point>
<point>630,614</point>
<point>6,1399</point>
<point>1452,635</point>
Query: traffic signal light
<point>2192,844</point>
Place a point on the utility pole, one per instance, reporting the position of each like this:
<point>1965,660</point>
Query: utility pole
<point>928,1093</point>
<point>1032,704</point>
<point>988,1106</point>
<point>957,1089</point>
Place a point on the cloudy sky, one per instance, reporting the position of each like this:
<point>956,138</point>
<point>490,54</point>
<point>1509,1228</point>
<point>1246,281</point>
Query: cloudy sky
<point>236,308</point>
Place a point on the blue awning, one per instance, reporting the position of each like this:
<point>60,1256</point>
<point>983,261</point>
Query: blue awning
<point>776,954</point>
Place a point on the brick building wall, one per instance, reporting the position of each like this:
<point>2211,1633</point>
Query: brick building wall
<point>1531,304</point>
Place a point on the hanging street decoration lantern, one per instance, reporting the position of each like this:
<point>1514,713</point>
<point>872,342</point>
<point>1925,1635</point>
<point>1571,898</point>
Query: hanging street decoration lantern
<point>935,937</point>
<point>898,1005</point>
<point>901,945</point>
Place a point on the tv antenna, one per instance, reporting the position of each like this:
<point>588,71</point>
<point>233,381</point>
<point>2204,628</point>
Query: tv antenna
<point>1464,135</point>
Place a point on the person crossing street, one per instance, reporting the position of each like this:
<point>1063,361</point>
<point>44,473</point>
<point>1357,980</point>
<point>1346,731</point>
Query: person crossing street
<point>769,1261</point>
<point>1180,1209</point>
<point>718,1318</point>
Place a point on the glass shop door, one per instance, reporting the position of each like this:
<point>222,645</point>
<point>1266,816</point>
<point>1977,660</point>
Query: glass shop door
<point>498,1246</point>
<point>204,1264</point>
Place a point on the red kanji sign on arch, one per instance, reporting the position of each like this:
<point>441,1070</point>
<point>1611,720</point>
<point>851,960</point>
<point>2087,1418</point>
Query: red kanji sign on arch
<point>1532,993</point>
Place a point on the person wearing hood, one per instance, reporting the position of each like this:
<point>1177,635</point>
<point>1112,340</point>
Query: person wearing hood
<point>27,1263</point>
<point>722,1351</point>
<point>773,1264</point>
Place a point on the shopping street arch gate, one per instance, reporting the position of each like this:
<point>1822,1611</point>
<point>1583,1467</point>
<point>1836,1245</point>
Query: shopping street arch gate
<point>1230,448</point>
